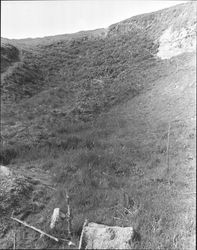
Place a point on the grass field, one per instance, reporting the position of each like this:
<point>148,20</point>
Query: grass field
<point>96,124</point>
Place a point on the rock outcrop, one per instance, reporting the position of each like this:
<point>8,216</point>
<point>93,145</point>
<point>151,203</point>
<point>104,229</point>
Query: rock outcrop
<point>13,190</point>
<point>173,43</point>
<point>98,236</point>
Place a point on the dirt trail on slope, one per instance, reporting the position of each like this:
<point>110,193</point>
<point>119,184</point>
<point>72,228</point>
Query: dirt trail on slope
<point>11,68</point>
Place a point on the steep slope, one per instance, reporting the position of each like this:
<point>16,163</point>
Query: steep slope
<point>20,76</point>
<point>9,55</point>
<point>70,69</point>
<point>99,128</point>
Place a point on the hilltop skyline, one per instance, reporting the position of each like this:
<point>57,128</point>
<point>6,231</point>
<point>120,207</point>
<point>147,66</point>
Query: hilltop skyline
<point>33,19</point>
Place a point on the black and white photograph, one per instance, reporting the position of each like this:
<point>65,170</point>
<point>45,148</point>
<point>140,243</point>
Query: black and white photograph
<point>98,124</point>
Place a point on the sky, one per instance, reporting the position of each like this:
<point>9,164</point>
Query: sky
<point>23,19</point>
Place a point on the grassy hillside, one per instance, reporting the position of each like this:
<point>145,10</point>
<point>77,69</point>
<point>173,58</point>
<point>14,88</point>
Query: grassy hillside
<point>90,113</point>
<point>9,55</point>
<point>20,76</point>
<point>154,24</point>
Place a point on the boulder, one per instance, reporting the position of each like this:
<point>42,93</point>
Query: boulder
<point>4,171</point>
<point>98,236</point>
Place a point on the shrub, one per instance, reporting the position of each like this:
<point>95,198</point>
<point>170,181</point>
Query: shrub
<point>7,154</point>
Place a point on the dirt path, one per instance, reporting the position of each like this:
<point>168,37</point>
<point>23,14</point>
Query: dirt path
<point>35,173</point>
<point>11,68</point>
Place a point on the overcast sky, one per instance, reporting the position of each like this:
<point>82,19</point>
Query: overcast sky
<point>22,19</point>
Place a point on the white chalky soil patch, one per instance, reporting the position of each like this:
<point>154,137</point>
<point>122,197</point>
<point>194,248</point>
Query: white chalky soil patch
<point>173,43</point>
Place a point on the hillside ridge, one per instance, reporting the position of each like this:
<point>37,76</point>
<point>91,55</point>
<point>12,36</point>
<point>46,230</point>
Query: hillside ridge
<point>99,31</point>
<point>111,119</point>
